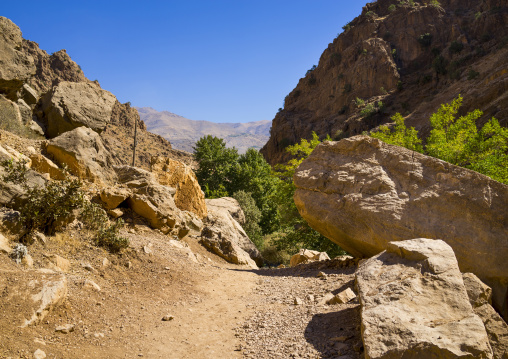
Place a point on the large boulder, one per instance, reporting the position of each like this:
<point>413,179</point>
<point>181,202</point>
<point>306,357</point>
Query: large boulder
<point>151,200</point>
<point>225,236</point>
<point>84,154</point>
<point>74,104</point>
<point>16,67</point>
<point>480,297</point>
<point>176,174</point>
<point>228,204</point>
<point>414,304</point>
<point>362,194</point>
<point>29,296</point>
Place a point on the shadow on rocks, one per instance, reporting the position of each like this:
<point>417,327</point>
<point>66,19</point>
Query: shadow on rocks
<point>336,334</point>
<point>332,266</point>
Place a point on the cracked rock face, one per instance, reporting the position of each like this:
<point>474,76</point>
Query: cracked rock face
<point>362,194</point>
<point>415,305</point>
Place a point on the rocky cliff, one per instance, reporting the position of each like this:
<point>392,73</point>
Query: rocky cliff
<point>44,95</point>
<point>400,57</point>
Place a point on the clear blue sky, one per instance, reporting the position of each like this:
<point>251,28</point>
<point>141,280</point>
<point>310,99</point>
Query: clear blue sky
<point>215,60</point>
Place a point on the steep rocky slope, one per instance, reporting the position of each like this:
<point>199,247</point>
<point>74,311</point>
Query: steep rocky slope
<point>183,133</point>
<point>412,59</point>
<point>43,95</point>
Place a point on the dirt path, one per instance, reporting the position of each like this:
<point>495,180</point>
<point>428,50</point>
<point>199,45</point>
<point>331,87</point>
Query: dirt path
<point>219,310</point>
<point>205,328</point>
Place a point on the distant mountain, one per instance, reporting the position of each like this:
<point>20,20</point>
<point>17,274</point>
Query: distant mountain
<point>183,133</point>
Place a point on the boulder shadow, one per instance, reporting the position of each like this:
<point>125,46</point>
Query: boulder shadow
<point>336,334</point>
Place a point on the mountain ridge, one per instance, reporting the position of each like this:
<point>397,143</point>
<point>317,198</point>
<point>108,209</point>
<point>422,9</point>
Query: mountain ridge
<point>183,132</point>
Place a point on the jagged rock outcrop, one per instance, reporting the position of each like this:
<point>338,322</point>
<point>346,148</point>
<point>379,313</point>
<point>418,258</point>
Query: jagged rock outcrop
<point>138,190</point>
<point>16,67</point>
<point>362,194</point>
<point>480,297</point>
<point>223,235</point>
<point>84,154</point>
<point>188,196</point>
<point>412,59</point>
<point>414,304</point>
<point>70,105</point>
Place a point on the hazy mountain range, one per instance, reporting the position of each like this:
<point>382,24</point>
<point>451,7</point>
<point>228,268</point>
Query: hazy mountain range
<point>183,133</point>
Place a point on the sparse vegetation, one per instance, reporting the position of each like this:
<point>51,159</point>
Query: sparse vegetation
<point>347,27</point>
<point>440,65</point>
<point>48,207</point>
<point>309,71</point>
<point>392,8</point>
<point>371,14</point>
<point>425,39</point>
<point>347,88</point>
<point>368,110</point>
<point>456,47</point>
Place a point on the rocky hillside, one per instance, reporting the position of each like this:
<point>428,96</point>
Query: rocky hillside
<point>183,133</point>
<point>406,57</point>
<point>44,95</point>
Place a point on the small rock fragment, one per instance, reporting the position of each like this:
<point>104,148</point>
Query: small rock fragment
<point>344,296</point>
<point>167,318</point>
<point>66,328</point>
<point>39,354</point>
<point>90,284</point>
<point>105,263</point>
<point>321,275</point>
<point>298,301</point>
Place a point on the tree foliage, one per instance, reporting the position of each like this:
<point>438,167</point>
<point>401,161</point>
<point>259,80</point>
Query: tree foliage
<point>457,140</point>
<point>294,231</point>
<point>223,172</point>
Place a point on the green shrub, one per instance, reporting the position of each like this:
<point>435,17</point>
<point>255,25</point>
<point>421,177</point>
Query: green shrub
<point>371,14</point>
<point>347,27</point>
<point>392,8</point>
<point>439,65</point>
<point>309,71</point>
<point>56,202</point>
<point>456,47</point>
<point>108,237</point>
<point>400,86</point>
<point>425,40</point>
<point>359,102</point>
<point>368,110</point>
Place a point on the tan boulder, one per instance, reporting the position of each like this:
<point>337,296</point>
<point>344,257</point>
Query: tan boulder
<point>113,196</point>
<point>306,256</point>
<point>480,297</point>
<point>73,104</point>
<point>362,194</point>
<point>84,154</point>
<point>414,304</point>
<point>42,164</point>
<point>58,263</point>
<point>176,174</point>
<point>228,204</point>
<point>223,232</point>
<point>134,177</point>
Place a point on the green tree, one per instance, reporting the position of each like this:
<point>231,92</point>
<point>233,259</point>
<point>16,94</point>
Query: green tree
<point>294,232</point>
<point>254,175</point>
<point>252,217</point>
<point>457,140</point>
<point>217,166</point>
<point>401,136</point>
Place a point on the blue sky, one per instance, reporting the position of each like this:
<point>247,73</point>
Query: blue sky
<point>220,60</point>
